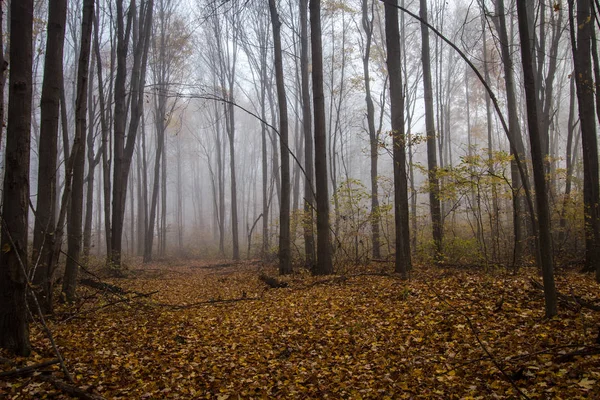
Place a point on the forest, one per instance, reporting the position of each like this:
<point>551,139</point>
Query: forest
<point>299,199</point>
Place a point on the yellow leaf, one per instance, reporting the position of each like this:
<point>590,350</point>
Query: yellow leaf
<point>586,383</point>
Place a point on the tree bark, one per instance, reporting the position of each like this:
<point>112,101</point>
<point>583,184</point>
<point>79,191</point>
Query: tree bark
<point>324,264</point>
<point>285,256</point>
<point>123,148</point>
<point>309,199</point>
<point>585,97</point>
<point>367,25</point>
<point>401,215</point>
<point>74,225</point>
<point>434,184</point>
<point>544,239</point>
<point>45,215</point>
<point>14,327</point>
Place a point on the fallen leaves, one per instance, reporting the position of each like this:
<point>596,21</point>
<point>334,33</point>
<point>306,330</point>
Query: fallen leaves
<point>361,337</point>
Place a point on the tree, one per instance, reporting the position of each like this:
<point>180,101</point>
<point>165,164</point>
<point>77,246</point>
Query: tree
<point>324,264</point>
<point>585,98</point>
<point>43,232</point>
<point>166,43</point>
<point>544,239</point>
<point>309,199</point>
<point>74,227</point>
<point>124,146</point>
<point>401,216</point>
<point>14,326</point>
<point>513,128</point>
<point>434,185</point>
<point>367,25</point>
<point>285,256</point>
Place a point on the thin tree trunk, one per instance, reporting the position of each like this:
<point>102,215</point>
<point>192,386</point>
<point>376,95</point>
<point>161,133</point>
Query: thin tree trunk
<point>309,200</point>
<point>285,256</point>
<point>434,184</point>
<point>401,219</point>
<point>74,226</point>
<point>544,240</point>
<point>45,216</point>
<point>324,264</point>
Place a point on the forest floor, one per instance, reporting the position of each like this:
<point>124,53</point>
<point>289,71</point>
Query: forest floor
<point>218,331</point>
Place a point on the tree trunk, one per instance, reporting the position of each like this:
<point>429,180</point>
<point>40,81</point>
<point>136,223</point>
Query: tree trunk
<point>401,218</point>
<point>45,216</point>
<point>285,256</point>
<point>14,327</point>
<point>434,184</point>
<point>367,25</point>
<point>74,226</point>
<point>515,131</point>
<point>585,96</point>
<point>123,148</point>
<point>324,264</point>
<point>544,239</point>
<point>309,200</point>
<point>93,160</point>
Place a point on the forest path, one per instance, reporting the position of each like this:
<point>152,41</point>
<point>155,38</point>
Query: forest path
<point>217,331</point>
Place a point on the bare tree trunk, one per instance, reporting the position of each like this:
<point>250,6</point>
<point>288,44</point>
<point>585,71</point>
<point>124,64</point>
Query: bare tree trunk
<point>285,256</point>
<point>93,160</point>
<point>162,246</point>
<point>324,264</point>
<point>544,240</point>
<point>367,25</point>
<point>123,148</point>
<point>392,37</point>
<point>3,68</point>
<point>45,216</point>
<point>74,227</point>
<point>569,160</point>
<point>14,326</point>
<point>434,184</point>
<point>589,140</point>
<point>514,128</point>
<point>309,200</point>
<point>180,201</point>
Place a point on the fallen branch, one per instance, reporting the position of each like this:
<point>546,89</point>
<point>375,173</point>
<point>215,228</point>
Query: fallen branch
<point>29,369</point>
<point>569,300</point>
<point>70,389</point>
<point>73,315</point>
<point>588,351</point>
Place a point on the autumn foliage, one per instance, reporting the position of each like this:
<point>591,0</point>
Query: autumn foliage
<point>195,330</point>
